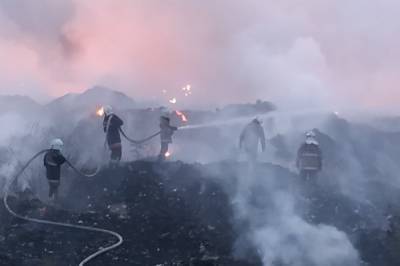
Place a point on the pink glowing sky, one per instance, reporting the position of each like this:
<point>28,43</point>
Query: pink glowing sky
<point>334,52</point>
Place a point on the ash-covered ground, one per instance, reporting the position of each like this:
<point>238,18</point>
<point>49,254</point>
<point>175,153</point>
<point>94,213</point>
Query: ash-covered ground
<point>180,214</point>
<point>168,214</point>
<point>206,206</point>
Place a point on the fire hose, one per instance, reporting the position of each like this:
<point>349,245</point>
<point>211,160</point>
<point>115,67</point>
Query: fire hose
<point>67,225</point>
<point>82,174</point>
<point>139,142</point>
<point>135,142</point>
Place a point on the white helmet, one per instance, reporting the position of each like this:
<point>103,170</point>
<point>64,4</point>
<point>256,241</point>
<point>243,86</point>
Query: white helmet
<point>56,144</point>
<point>310,134</point>
<point>310,138</point>
<point>257,120</point>
<point>108,110</point>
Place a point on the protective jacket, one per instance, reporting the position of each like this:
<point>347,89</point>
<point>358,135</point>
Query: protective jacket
<point>111,125</point>
<point>309,157</point>
<point>53,160</point>
<point>251,136</point>
<point>166,132</point>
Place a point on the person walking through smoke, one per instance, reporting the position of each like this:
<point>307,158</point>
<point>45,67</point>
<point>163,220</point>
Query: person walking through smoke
<point>166,132</point>
<point>251,136</point>
<point>309,158</point>
<point>53,160</point>
<point>111,125</point>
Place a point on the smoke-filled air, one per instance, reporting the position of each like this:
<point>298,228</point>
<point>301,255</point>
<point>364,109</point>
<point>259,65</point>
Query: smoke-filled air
<point>199,133</point>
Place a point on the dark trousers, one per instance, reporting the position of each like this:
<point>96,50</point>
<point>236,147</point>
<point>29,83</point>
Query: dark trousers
<point>116,152</point>
<point>309,175</point>
<point>163,151</point>
<point>53,188</point>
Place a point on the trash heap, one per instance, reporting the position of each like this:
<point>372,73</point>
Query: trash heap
<point>168,214</point>
<point>180,214</point>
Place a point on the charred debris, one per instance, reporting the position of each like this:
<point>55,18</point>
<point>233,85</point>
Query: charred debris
<point>176,214</point>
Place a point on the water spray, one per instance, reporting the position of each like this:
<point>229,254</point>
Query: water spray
<point>245,119</point>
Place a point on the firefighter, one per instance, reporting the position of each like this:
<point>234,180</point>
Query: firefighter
<point>250,138</point>
<point>309,158</point>
<point>53,160</point>
<point>111,125</point>
<point>166,132</point>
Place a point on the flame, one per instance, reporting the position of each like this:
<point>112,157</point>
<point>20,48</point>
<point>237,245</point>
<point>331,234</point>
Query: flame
<point>167,154</point>
<point>187,88</point>
<point>100,111</point>
<point>173,100</point>
<point>182,116</point>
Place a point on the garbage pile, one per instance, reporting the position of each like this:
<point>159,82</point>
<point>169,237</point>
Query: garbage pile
<point>168,214</point>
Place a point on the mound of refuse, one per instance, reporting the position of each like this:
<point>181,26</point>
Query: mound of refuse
<point>168,214</point>
<point>174,213</point>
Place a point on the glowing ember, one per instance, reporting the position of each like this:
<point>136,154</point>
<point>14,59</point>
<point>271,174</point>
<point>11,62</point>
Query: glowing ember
<point>100,111</point>
<point>173,101</point>
<point>182,116</point>
<point>167,154</point>
<point>187,88</point>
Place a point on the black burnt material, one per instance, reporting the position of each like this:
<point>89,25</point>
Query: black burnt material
<point>168,214</point>
<point>180,214</point>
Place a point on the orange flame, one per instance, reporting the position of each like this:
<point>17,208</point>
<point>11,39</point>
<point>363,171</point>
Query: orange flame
<point>100,111</point>
<point>182,116</point>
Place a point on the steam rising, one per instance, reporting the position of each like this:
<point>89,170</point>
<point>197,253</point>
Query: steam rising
<point>331,54</point>
<point>338,53</point>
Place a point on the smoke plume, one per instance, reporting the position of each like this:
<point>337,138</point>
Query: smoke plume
<point>338,53</point>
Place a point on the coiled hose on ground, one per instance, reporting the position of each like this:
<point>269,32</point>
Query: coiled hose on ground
<point>67,225</point>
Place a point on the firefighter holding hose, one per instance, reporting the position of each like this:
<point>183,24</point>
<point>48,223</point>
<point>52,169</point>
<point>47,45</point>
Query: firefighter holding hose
<point>53,160</point>
<point>112,124</point>
<point>309,158</point>
<point>166,133</point>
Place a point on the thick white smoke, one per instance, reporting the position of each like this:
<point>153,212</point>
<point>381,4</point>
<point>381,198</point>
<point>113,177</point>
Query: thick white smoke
<point>276,225</point>
<point>336,53</point>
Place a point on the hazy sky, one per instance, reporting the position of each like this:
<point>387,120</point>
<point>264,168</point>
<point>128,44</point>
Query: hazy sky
<point>294,52</point>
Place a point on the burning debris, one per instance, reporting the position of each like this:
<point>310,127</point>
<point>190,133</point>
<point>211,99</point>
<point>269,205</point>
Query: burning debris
<point>100,111</point>
<point>181,218</point>
<point>182,116</point>
<point>187,90</point>
<point>170,202</point>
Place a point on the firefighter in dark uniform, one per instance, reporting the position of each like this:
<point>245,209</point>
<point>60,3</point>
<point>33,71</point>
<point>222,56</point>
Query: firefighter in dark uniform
<point>250,139</point>
<point>166,132</point>
<point>111,125</point>
<point>53,160</point>
<point>309,158</point>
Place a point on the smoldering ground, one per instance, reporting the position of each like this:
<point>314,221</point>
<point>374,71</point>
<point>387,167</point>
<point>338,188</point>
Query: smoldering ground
<point>230,51</point>
<point>275,208</point>
<point>275,215</point>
